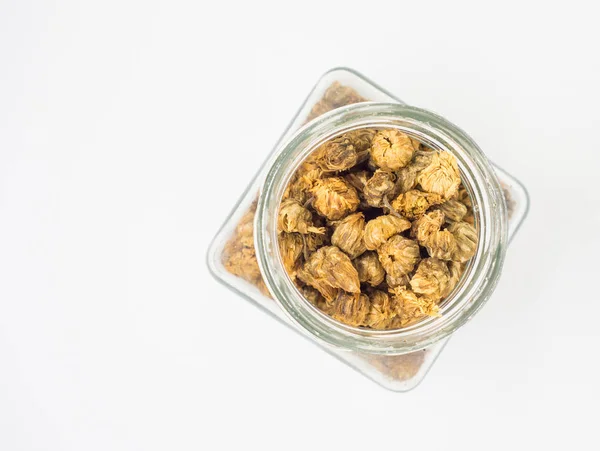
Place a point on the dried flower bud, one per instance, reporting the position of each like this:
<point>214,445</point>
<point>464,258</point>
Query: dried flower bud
<point>442,245</point>
<point>369,269</point>
<point>391,150</point>
<point>291,246</point>
<point>313,241</point>
<point>464,197</point>
<point>431,278</point>
<point>334,198</point>
<point>398,255</point>
<point>406,179</point>
<point>441,176</point>
<point>337,95</point>
<point>311,294</point>
<point>466,241</point>
<point>397,280</point>
<point>351,308</point>
<point>428,224</point>
<point>411,308</point>
<point>348,235</point>
<point>361,138</point>
<point>456,270</point>
<point>422,159</point>
<point>302,184</point>
<point>416,144</point>
<point>380,229</point>
<point>382,311</point>
<point>330,266</point>
<point>379,185</point>
<point>454,210</point>
<point>339,154</point>
<point>358,180</point>
<point>293,217</point>
<point>413,203</point>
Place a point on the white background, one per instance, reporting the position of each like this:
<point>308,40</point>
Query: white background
<point>128,130</point>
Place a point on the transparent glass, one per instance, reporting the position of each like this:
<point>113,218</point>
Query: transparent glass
<point>397,359</point>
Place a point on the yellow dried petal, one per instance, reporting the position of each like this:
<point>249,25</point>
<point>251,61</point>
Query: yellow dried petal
<point>380,229</point>
<point>334,198</point>
<point>391,150</point>
<point>348,235</point>
<point>441,176</point>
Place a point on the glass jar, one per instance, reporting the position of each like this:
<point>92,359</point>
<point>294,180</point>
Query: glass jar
<point>397,359</point>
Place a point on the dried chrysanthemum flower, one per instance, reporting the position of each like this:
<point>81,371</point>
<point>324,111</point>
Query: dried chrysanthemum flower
<point>422,159</point>
<point>382,311</point>
<point>431,279</point>
<point>442,245</point>
<point>351,308</point>
<point>427,225</point>
<point>410,307</point>
<point>414,203</point>
<point>466,240</point>
<point>302,184</point>
<point>398,255</point>
<point>314,241</point>
<point>441,176</point>
<point>406,179</point>
<point>456,269</point>
<point>397,280</point>
<point>464,197</point>
<point>330,266</point>
<point>293,217</point>
<point>335,96</point>
<point>339,154</point>
<point>369,269</point>
<point>380,184</point>
<point>358,180</point>
<point>361,138</point>
<point>291,247</point>
<point>454,210</point>
<point>311,294</point>
<point>378,230</point>
<point>334,198</point>
<point>391,150</point>
<point>348,235</point>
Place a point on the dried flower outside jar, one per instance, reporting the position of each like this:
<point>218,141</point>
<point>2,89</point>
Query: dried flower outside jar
<point>270,228</point>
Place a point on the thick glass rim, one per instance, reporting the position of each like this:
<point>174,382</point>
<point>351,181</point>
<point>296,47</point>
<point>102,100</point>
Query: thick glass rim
<point>478,281</point>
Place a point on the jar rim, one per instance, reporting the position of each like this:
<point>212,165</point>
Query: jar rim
<point>477,282</point>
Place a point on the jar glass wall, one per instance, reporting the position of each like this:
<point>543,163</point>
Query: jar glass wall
<point>396,359</point>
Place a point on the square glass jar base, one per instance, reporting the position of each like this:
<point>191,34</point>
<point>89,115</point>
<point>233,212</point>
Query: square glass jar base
<point>399,372</point>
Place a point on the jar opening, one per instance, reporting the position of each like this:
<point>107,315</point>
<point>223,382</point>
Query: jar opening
<point>481,274</point>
